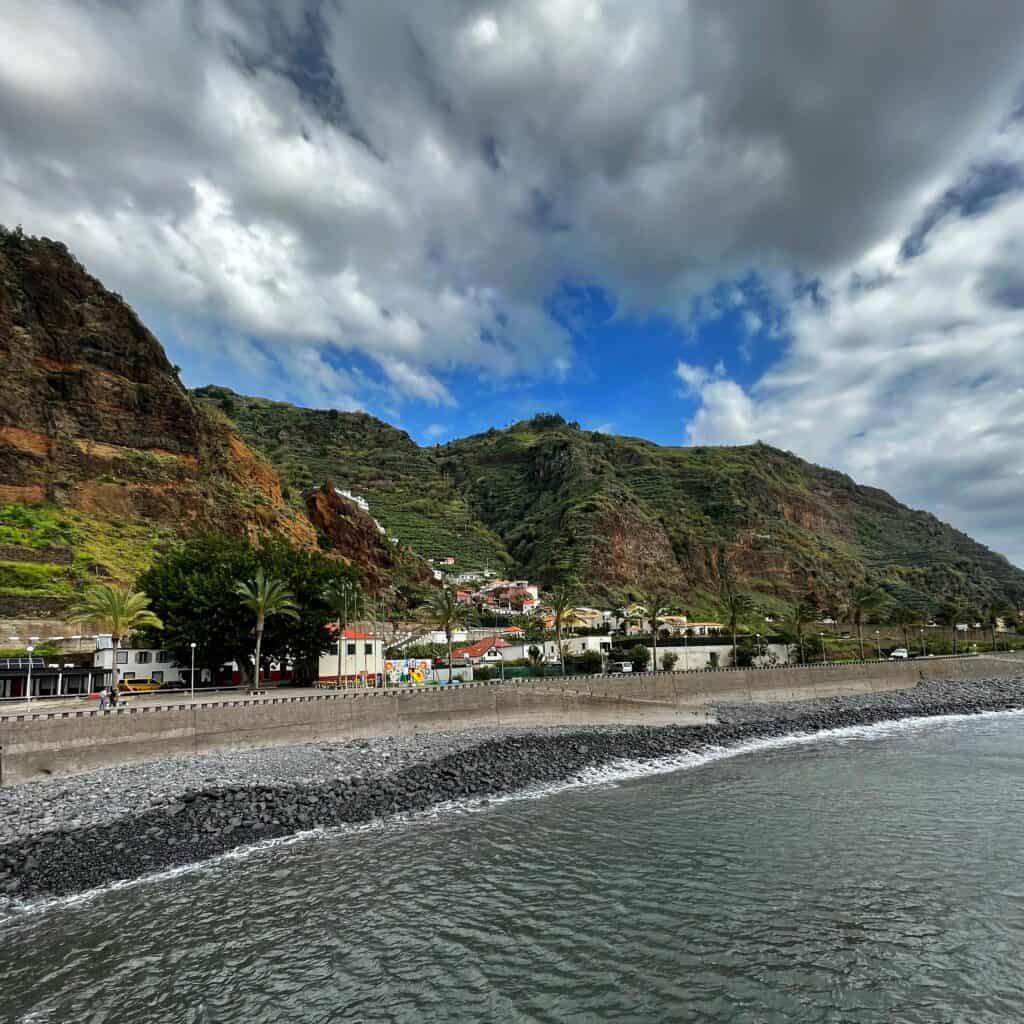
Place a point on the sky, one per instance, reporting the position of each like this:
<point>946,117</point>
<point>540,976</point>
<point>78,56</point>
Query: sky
<point>702,222</point>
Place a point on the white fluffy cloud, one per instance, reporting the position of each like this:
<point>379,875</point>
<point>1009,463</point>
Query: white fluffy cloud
<point>907,371</point>
<point>322,187</point>
<point>411,181</point>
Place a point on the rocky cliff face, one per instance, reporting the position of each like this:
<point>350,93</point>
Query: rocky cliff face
<point>94,417</point>
<point>352,533</point>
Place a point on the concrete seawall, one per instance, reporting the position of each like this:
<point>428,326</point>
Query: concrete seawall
<point>63,743</point>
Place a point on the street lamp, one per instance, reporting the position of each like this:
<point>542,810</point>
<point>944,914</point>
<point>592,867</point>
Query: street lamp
<point>822,635</point>
<point>30,649</point>
<point>501,654</point>
<point>757,647</point>
<point>878,643</point>
<point>192,675</point>
<point>924,645</point>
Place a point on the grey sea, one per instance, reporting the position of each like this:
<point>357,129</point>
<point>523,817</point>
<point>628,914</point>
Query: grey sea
<point>874,875</point>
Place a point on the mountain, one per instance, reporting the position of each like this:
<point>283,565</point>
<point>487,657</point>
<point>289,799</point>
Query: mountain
<point>621,514</point>
<point>618,512</point>
<point>105,458</point>
<point>104,455</point>
<point>405,489</point>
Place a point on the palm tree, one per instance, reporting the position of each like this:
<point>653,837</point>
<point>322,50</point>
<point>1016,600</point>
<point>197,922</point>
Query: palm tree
<point>736,604</point>
<point>117,610</point>
<point>905,617</point>
<point>447,612</point>
<point>803,612</point>
<point>993,613</point>
<point>656,605</point>
<point>342,597</point>
<point>265,596</point>
<point>865,600</point>
<point>561,604</point>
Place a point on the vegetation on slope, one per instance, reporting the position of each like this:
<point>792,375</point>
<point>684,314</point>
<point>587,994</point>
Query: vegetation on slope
<point>622,513</point>
<point>357,452</point>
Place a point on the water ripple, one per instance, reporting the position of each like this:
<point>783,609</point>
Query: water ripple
<point>867,880</point>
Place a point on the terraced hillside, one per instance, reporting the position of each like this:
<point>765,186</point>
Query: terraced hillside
<point>621,513</point>
<point>406,492</point>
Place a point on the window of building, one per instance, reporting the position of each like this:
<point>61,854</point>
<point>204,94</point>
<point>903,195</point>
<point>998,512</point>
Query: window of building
<point>143,657</point>
<point>122,657</point>
<point>350,650</point>
<point>127,675</point>
<point>158,677</point>
<point>164,657</point>
<point>368,648</point>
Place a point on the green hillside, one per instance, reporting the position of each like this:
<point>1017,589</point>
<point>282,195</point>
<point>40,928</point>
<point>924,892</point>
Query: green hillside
<point>406,492</point>
<point>621,512</point>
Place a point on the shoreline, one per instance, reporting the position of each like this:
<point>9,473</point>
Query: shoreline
<point>274,793</point>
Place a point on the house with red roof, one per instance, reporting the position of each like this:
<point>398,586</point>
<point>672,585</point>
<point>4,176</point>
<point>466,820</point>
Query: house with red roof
<point>483,651</point>
<point>362,657</point>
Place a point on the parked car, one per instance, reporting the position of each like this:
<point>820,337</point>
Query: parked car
<point>899,654</point>
<point>615,667</point>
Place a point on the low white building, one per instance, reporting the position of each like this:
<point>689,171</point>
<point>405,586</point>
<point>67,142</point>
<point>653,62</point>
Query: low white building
<point>140,664</point>
<point>362,657</point>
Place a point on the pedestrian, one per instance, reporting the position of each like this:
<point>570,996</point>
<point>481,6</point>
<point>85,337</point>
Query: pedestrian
<point>103,699</point>
<point>115,693</point>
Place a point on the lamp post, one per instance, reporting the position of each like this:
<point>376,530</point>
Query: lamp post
<point>924,645</point>
<point>192,674</point>
<point>878,643</point>
<point>28,687</point>
<point>822,636</point>
<point>501,654</point>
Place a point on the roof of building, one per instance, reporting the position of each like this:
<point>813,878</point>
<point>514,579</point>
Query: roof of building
<point>480,648</point>
<point>351,634</point>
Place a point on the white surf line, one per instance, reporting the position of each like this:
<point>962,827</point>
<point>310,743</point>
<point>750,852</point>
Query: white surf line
<point>611,774</point>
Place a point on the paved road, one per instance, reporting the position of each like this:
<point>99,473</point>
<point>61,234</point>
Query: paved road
<point>43,705</point>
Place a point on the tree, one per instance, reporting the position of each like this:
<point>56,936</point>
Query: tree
<point>864,601</point>
<point>117,611</point>
<point>446,612</point>
<point>561,604</point>
<point>802,613</point>
<point>656,605</point>
<point>266,597</point>
<point>343,599</point>
<point>736,605</point>
<point>669,660</point>
<point>639,656</point>
<point>192,589</point>
<point>997,610</point>
<point>905,617</point>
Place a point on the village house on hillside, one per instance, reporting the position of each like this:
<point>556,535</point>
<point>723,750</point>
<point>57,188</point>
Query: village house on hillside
<point>489,649</point>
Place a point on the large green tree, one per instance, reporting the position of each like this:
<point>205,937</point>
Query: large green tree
<point>192,588</point>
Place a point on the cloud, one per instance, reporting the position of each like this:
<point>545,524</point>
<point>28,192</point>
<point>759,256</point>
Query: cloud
<point>435,431</point>
<point>413,182</point>
<point>907,370</point>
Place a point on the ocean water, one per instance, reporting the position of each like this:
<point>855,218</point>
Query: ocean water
<point>872,875</point>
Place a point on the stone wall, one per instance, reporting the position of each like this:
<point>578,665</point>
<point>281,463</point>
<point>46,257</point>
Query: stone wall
<point>66,742</point>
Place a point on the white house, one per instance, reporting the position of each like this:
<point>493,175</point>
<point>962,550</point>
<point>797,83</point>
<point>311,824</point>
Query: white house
<point>355,498</point>
<point>362,657</point>
<point>141,663</point>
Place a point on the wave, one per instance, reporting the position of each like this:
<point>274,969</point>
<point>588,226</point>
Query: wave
<point>611,774</point>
